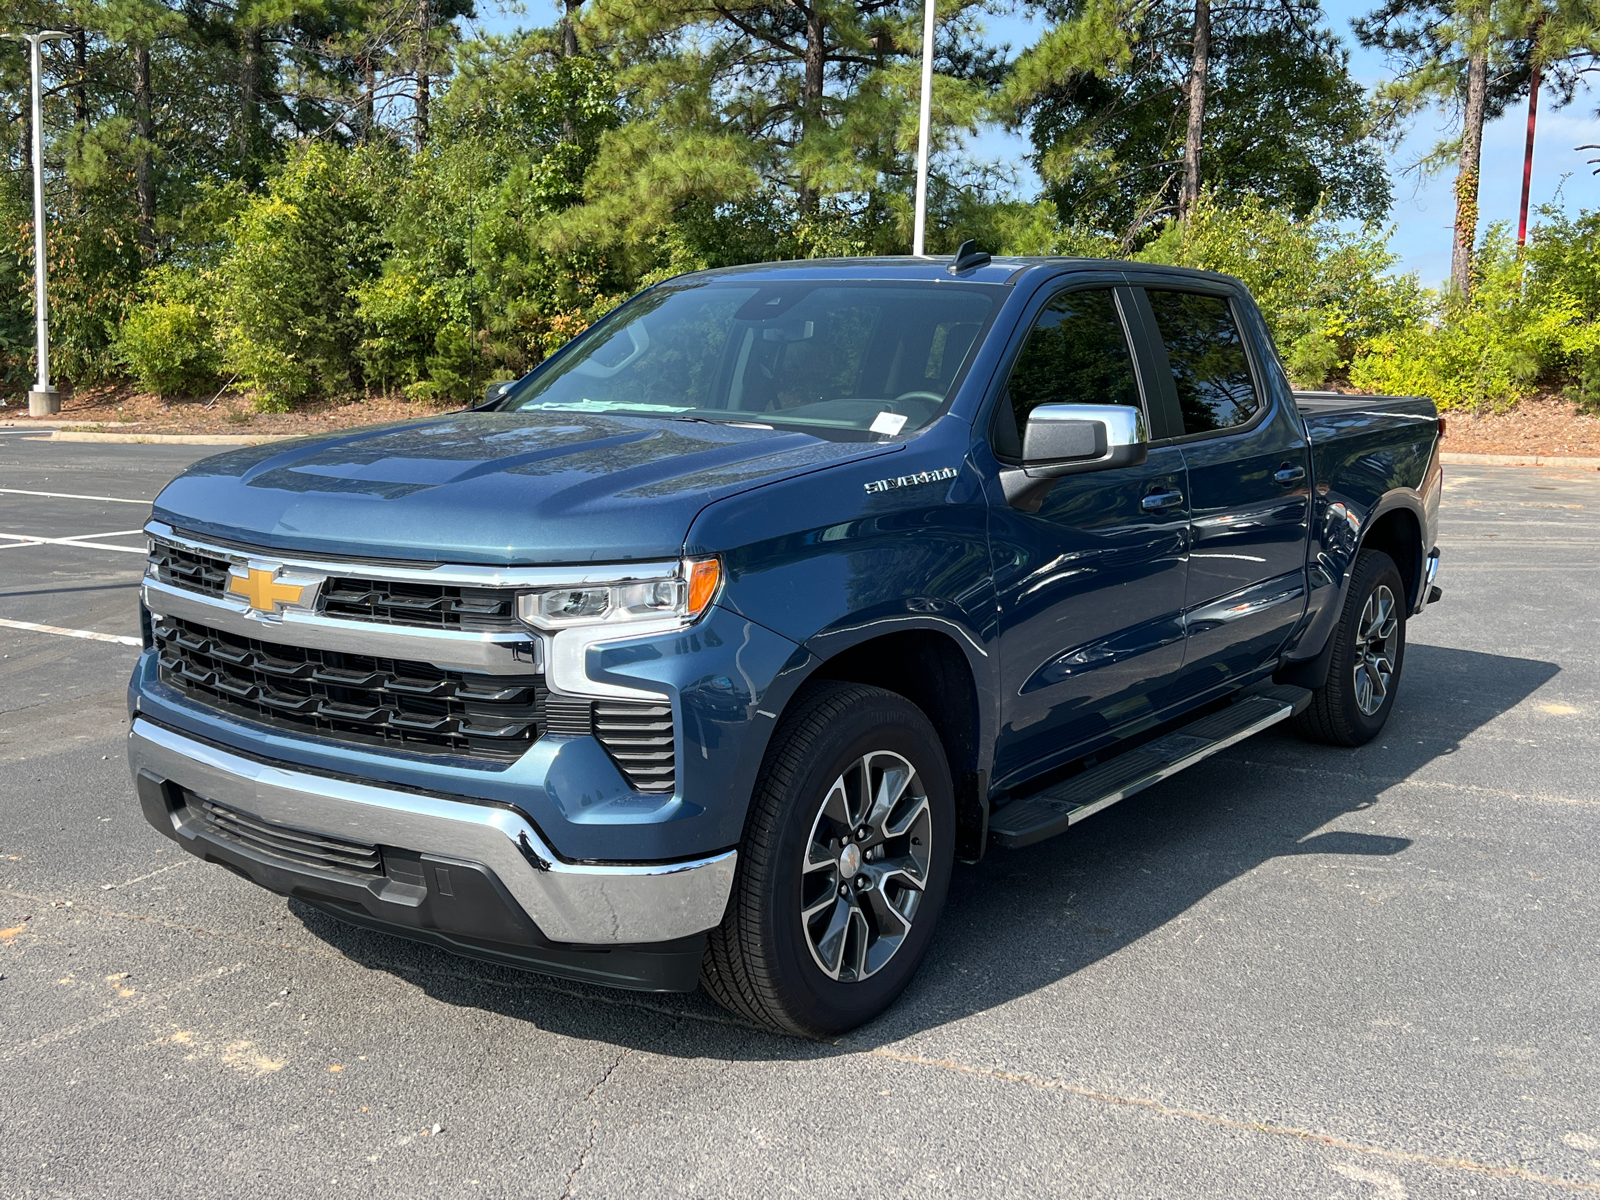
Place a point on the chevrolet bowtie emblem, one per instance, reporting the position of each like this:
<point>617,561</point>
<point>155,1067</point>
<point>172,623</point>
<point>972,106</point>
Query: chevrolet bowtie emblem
<point>266,592</point>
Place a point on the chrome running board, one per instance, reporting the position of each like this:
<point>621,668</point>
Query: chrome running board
<point>1057,809</point>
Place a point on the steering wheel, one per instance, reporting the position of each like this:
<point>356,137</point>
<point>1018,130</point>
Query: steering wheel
<point>932,397</point>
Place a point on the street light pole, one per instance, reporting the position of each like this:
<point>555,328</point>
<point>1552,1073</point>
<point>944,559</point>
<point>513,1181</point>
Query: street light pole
<point>42,398</point>
<point>920,225</point>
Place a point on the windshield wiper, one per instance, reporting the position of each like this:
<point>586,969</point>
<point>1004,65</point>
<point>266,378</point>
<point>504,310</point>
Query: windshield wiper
<point>735,424</point>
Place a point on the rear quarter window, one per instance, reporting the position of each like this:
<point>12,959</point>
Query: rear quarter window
<point>1209,366</point>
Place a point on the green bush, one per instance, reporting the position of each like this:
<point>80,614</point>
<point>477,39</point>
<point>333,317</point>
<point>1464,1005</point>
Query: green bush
<point>168,339</point>
<point>1324,292</point>
<point>1528,321</point>
<point>453,368</point>
<point>300,253</point>
<point>1564,276</point>
<point>401,315</point>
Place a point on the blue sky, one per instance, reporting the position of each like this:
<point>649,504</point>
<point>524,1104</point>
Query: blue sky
<point>1423,208</point>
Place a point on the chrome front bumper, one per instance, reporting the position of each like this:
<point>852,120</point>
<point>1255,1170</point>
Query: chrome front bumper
<point>578,903</point>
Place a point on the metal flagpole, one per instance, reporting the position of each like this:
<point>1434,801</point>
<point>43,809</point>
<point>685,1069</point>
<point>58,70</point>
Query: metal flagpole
<point>42,399</point>
<point>920,228</point>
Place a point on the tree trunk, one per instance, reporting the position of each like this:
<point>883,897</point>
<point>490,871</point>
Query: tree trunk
<point>1199,75</point>
<point>144,131</point>
<point>80,89</point>
<point>816,62</point>
<point>369,103</point>
<point>249,96</point>
<point>569,31</point>
<point>1467,173</point>
<point>424,35</point>
<point>569,49</point>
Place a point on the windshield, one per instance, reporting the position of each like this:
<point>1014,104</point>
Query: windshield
<point>848,360</point>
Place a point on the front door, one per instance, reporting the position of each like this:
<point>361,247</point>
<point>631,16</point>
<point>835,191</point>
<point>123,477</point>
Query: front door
<point>1091,586</point>
<point>1249,490</point>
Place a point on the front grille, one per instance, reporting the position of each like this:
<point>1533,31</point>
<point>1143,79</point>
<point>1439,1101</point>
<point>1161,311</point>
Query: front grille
<point>180,567</point>
<point>353,697</point>
<point>639,737</point>
<point>381,601</point>
<point>300,846</point>
<point>435,606</point>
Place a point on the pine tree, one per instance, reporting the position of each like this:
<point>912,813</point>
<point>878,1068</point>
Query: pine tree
<point>1134,108</point>
<point>1474,58</point>
<point>783,127</point>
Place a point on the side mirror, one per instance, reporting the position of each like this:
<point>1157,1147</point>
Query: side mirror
<point>1067,439</point>
<point>498,389</point>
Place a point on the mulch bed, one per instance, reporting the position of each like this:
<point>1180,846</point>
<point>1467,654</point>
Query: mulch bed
<point>1544,424</point>
<point>123,409</point>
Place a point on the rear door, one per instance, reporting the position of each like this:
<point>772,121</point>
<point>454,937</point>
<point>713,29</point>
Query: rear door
<point>1249,484</point>
<point>1090,587</point>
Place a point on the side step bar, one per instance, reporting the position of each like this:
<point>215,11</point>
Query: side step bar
<point>1024,822</point>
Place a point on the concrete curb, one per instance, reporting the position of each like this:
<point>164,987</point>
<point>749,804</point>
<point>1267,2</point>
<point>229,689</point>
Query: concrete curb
<point>1519,460</point>
<point>30,423</point>
<point>173,439</point>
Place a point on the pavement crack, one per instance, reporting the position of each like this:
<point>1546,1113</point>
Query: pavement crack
<point>594,1124</point>
<point>159,871</point>
<point>116,1013</point>
<point>83,910</point>
<point>534,983</point>
<point>1312,1137</point>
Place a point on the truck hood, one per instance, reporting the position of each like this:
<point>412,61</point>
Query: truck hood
<point>492,488</point>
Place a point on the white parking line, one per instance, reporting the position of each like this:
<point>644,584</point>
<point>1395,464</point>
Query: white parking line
<point>15,540</point>
<point>70,496</point>
<point>118,638</point>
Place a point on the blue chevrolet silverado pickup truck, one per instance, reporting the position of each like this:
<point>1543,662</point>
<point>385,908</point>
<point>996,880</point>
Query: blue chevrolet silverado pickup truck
<point>704,652</point>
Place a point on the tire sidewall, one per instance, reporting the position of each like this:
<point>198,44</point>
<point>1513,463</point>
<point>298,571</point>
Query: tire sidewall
<point>1377,570</point>
<point>887,723</point>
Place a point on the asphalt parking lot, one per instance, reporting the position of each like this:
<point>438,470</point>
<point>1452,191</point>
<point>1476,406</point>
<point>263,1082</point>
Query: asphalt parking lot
<point>1292,970</point>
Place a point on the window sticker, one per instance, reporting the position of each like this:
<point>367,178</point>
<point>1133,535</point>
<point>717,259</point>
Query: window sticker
<point>888,423</point>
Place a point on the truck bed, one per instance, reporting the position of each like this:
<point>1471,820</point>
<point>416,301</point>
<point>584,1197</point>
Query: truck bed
<point>1331,403</point>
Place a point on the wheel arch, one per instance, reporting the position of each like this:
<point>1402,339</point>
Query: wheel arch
<point>1395,526</point>
<point>1396,530</point>
<point>932,668</point>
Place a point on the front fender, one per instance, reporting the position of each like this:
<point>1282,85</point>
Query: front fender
<point>852,564</point>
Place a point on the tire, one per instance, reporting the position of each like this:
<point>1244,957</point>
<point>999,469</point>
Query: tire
<point>1352,707</point>
<point>791,954</point>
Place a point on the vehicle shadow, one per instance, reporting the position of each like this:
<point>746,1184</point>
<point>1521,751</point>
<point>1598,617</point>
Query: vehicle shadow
<point>1012,924</point>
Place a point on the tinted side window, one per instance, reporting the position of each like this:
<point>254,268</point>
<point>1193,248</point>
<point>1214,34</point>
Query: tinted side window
<point>1075,354</point>
<point>1208,360</point>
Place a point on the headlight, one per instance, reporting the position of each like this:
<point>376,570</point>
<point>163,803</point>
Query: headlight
<point>684,595</point>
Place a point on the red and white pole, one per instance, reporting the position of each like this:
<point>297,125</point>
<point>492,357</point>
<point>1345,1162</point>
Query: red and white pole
<point>1527,157</point>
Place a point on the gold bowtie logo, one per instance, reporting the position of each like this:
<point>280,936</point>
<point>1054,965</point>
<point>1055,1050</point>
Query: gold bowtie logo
<point>264,591</point>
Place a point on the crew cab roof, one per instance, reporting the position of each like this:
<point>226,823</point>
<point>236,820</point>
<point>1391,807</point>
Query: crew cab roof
<point>998,270</point>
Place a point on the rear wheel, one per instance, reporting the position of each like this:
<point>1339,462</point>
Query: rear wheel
<point>844,868</point>
<point>1369,647</point>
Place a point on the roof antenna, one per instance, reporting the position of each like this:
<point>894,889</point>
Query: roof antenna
<point>967,257</point>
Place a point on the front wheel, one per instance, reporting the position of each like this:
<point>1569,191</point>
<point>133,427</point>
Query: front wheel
<point>845,865</point>
<point>1369,648</point>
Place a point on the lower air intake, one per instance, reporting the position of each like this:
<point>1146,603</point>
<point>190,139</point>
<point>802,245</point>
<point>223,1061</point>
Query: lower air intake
<point>639,737</point>
<point>299,846</point>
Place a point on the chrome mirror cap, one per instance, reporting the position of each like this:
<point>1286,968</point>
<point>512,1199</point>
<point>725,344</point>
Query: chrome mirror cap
<point>1066,439</point>
<point>1053,427</point>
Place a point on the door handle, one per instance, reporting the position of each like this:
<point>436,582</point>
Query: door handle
<point>1156,501</point>
<point>1290,474</point>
